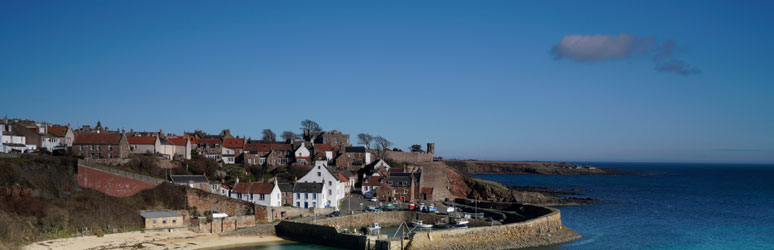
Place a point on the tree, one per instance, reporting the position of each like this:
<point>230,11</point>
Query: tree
<point>288,135</point>
<point>365,139</point>
<point>382,145</point>
<point>416,148</point>
<point>309,125</point>
<point>269,135</point>
<point>397,150</point>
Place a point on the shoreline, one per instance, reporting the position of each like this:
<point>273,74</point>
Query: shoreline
<point>154,241</point>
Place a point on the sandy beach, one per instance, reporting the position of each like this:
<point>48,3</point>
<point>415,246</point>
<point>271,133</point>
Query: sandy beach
<point>152,241</point>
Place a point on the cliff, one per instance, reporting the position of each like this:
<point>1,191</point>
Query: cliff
<point>465,186</point>
<point>523,167</point>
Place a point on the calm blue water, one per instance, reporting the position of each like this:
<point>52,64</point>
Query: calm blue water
<point>679,206</point>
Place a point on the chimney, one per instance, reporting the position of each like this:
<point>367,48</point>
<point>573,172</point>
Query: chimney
<point>431,148</point>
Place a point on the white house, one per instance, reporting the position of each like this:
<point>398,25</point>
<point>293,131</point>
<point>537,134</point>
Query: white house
<point>228,155</point>
<point>336,184</point>
<point>310,195</point>
<point>11,143</point>
<point>302,154</point>
<point>264,194</point>
<point>175,146</point>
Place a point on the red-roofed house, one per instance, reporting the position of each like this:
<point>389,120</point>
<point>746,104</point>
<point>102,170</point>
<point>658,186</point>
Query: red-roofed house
<point>210,148</point>
<point>175,146</point>
<point>232,147</point>
<point>143,144</point>
<point>370,185</point>
<point>267,154</point>
<point>264,194</point>
<point>101,145</point>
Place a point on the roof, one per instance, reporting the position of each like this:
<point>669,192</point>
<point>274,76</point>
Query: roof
<point>396,170</point>
<point>141,139</point>
<point>58,131</point>
<point>359,149</point>
<point>158,213</point>
<point>253,188</point>
<point>342,178</point>
<point>304,187</point>
<point>177,140</point>
<point>93,138</point>
<point>399,181</point>
<point>265,147</point>
<point>187,178</point>
<point>323,147</point>
<point>285,187</point>
<point>426,190</point>
<point>372,181</point>
<point>209,141</point>
<point>234,143</point>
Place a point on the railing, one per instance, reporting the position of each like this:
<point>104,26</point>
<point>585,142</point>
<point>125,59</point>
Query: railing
<point>139,177</point>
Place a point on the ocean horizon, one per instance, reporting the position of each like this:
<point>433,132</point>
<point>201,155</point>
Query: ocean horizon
<point>667,206</point>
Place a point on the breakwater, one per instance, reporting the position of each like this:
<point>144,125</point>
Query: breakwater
<point>540,226</point>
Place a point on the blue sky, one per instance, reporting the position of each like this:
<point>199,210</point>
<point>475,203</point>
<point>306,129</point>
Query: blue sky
<point>499,80</point>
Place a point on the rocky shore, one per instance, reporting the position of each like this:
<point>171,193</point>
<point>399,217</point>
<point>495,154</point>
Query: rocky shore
<point>526,167</point>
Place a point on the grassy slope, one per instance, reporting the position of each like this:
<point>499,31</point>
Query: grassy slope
<point>40,199</point>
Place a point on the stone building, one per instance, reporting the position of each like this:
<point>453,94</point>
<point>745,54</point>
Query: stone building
<point>358,155</point>
<point>193,181</point>
<point>101,145</point>
<point>334,138</point>
<point>162,220</point>
<point>209,148</point>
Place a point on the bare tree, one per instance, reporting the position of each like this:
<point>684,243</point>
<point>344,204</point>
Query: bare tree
<point>365,139</point>
<point>382,145</point>
<point>269,135</point>
<point>309,125</point>
<point>288,135</point>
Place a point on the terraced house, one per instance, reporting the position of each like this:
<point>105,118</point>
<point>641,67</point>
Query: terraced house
<point>101,145</point>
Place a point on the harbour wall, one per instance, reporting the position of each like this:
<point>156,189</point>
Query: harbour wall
<point>545,228</point>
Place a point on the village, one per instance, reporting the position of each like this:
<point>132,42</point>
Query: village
<point>328,168</point>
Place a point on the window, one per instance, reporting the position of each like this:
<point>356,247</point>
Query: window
<point>110,147</point>
<point>164,222</point>
<point>319,174</point>
<point>174,221</point>
<point>262,197</point>
<point>306,196</point>
<point>405,191</point>
<point>330,183</point>
<point>298,196</point>
<point>251,196</point>
<point>330,192</point>
<point>154,222</point>
<point>314,196</point>
<point>314,204</point>
<point>298,204</point>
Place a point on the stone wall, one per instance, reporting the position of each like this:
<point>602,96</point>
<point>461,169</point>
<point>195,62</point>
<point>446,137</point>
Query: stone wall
<point>530,233</point>
<point>223,225</point>
<point>409,157</point>
<point>110,183</point>
<point>205,201</point>
<point>269,214</point>
<point>322,235</point>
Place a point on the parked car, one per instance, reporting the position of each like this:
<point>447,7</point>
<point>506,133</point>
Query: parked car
<point>334,214</point>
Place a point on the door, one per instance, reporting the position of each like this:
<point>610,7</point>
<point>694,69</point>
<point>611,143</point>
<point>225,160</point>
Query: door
<point>403,199</point>
<point>306,204</point>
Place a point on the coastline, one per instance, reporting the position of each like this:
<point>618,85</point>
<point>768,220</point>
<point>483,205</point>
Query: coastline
<point>153,241</point>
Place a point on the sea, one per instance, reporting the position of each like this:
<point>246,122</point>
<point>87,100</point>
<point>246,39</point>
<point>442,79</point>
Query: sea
<point>659,206</point>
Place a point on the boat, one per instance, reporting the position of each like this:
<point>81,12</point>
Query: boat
<point>461,225</point>
<point>412,206</point>
<point>461,221</point>
<point>419,224</point>
<point>389,207</point>
<point>421,207</point>
<point>374,228</point>
<point>432,209</point>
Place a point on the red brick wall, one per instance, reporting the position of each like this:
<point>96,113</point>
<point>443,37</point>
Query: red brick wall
<point>110,184</point>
